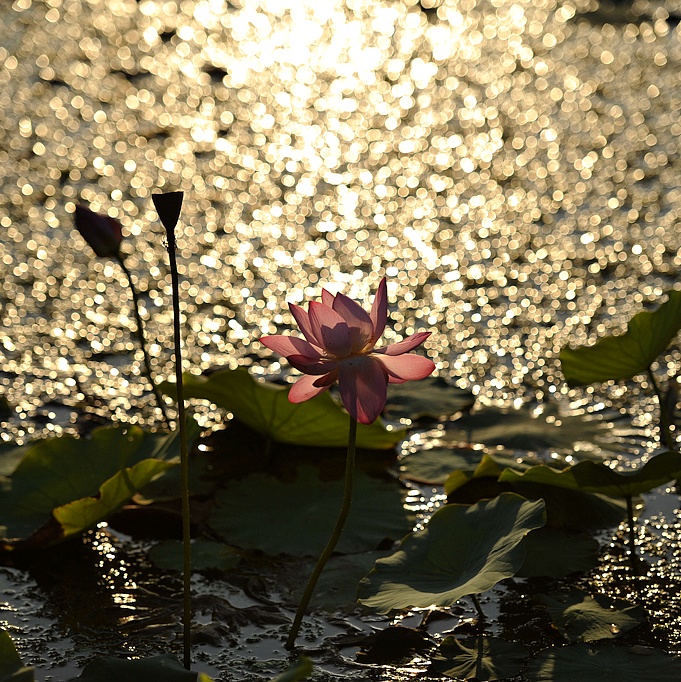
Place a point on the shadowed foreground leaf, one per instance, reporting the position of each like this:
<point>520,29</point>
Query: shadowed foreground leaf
<point>584,663</point>
<point>463,550</point>
<point>480,658</point>
<point>162,668</point>
<point>430,397</point>
<point>556,553</point>
<point>625,356</point>
<point>264,407</point>
<point>11,667</point>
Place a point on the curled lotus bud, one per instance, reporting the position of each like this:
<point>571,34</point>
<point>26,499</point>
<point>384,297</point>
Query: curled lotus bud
<point>102,233</point>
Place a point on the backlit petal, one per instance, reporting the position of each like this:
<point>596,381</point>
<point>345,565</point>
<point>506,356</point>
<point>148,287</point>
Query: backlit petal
<point>311,365</point>
<point>411,342</point>
<point>357,319</point>
<point>379,310</point>
<point>327,298</point>
<point>327,379</point>
<point>409,367</point>
<point>304,389</point>
<point>331,330</point>
<point>303,320</point>
<point>290,345</point>
<point>363,387</point>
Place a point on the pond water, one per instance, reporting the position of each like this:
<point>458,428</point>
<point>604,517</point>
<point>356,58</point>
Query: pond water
<point>512,167</point>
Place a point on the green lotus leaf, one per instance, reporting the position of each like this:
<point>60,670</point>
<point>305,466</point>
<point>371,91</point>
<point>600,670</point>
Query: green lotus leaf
<point>206,554</point>
<point>596,477</point>
<point>580,617</point>
<point>565,508</point>
<point>11,667</point>
<point>557,553</point>
<point>434,465</point>
<point>80,481</point>
<point>480,658</point>
<point>297,518</point>
<point>264,407</point>
<point>300,671</point>
<point>622,357</point>
<point>584,663</point>
<point>463,550</point>
<point>430,397</point>
<point>525,429</point>
<point>161,668</point>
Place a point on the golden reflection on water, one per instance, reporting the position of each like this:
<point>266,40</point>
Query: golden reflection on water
<point>511,167</point>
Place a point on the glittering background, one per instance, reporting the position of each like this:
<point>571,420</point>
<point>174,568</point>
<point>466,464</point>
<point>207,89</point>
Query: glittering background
<point>512,167</point>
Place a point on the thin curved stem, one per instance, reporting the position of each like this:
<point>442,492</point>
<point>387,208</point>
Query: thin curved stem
<point>333,540</point>
<point>184,459</point>
<point>142,340</point>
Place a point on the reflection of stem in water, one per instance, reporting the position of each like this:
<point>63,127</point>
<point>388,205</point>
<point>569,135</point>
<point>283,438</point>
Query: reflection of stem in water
<point>478,662</point>
<point>333,540</point>
<point>632,543</point>
<point>666,437</point>
<point>141,338</point>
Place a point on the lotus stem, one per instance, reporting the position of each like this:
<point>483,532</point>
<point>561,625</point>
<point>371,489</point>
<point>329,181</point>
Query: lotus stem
<point>142,340</point>
<point>666,437</point>
<point>478,608</point>
<point>333,540</point>
<point>184,456</point>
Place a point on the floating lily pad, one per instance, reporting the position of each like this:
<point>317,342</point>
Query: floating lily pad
<point>262,512</point>
<point>11,667</point>
<point>565,508</point>
<point>162,668</point>
<point>463,550</point>
<point>556,553</point>
<point>206,554</point>
<point>580,617</point>
<point>584,663</point>
<point>488,469</point>
<point>622,357</point>
<point>480,658</point>
<point>80,481</point>
<point>264,407</point>
<point>524,429</point>
<point>435,465</point>
<point>430,397</point>
<point>596,477</point>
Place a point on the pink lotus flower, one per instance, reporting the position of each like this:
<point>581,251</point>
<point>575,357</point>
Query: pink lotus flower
<point>339,345</point>
<point>102,233</point>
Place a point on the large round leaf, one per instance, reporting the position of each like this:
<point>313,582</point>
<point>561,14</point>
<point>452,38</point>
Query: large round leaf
<point>264,407</point>
<point>430,397</point>
<point>584,663</point>
<point>463,550</point>
<point>622,357</point>
<point>580,617</point>
<point>435,465</point>
<point>527,429</point>
<point>596,477</point>
<point>262,512</point>
<point>481,658</point>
